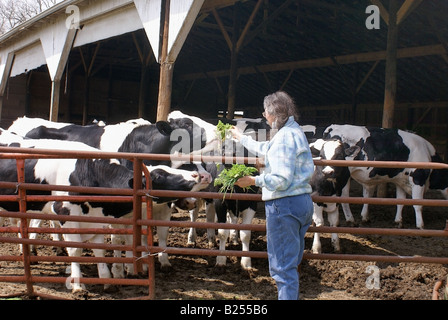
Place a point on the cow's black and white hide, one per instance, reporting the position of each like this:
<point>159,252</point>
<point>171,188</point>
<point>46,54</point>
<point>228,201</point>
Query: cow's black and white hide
<point>391,145</point>
<point>179,134</point>
<point>312,132</point>
<point>88,173</point>
<point>328,183</point>
<point>135,136</point>
<point>163,178</point>
<point>382,145</point>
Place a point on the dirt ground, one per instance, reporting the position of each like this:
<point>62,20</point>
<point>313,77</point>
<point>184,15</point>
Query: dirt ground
<point>195,277</point>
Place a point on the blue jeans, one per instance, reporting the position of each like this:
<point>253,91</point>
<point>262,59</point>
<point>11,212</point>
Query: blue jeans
<point>287,220</point>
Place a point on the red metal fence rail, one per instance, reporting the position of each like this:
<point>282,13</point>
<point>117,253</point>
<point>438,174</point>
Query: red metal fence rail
<point>141,226</point>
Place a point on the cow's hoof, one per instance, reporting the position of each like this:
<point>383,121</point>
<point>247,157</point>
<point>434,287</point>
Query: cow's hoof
<point>166,268</point>
<point>191,244</point>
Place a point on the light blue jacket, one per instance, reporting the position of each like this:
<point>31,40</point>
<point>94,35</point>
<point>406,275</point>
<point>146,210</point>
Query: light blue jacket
<point>288,160</point>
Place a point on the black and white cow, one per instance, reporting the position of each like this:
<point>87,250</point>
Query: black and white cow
<point>217,209</point>
<point>392,145</point>
<point>135,136</point>
<point>377,144</point>
<point>312,132</point>
<point>88,173</point>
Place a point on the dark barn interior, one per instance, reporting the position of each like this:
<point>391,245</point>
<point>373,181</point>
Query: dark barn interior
<point>321,52</point>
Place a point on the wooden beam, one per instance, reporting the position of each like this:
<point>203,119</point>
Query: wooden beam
<point>406,9</point>
<point>55,100</point>
<point>240,42</point>
<point>390,91</point>
<point>6,72</point>
<point>363,57</point>
<point>166,71</point>
<point>441,38</point>
<point>233,74</point>
<point>223,29</point>
<point>367,76</point>
<point>287,79</point>
<point>265,22</point>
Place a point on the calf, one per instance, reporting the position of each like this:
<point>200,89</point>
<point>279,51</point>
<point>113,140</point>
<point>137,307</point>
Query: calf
<point>328,183</point>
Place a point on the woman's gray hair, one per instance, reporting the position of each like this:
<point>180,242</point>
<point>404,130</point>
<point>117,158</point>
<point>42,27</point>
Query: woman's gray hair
<point>281,106</point>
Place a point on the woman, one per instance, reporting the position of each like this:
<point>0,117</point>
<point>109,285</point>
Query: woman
<point>285,190</point>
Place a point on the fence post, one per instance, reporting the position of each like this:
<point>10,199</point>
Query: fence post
<point>137,214</point>
<point>20,163</point>
<point>150,240</point>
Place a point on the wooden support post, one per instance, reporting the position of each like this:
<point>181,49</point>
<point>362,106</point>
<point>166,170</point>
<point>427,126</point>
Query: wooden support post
<point>391,67</point>
<point>233,75</point>
<point>4,78</point>
<point>55,99</point>
<point>166,71</point>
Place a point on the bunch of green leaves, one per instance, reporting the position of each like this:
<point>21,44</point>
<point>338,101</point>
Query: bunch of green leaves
<point>222,128</point>
<point>227,178</point>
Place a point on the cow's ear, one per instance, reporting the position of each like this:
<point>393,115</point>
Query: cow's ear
<point>164,128</point>
<point>317,145</point>
<point>352,151</point>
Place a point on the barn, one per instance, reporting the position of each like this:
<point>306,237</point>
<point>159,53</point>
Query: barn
<point>366,62</point>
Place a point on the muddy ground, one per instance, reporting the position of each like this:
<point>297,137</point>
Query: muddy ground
<point>194,277</point>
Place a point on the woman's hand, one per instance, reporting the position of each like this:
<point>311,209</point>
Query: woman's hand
<point>245,182</point>
<point>236,133</point>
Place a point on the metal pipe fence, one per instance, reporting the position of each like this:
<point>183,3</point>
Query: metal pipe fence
<point>143,253</point>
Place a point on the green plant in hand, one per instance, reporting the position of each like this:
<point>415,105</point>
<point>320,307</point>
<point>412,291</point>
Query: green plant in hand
<point>227,178</point>
<point>221,129</point>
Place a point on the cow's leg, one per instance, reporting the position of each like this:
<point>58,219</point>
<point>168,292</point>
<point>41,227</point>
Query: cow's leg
<point>223,235</point>
<point>318,219</point>
<point>333,218</point>
<point>245,235</point>
<point>194,213</point>
<point>417,193</point>
<point>400,194</point>
<point>103,269</point>
<point>117,268</point>
<point>162,232</point>
<point>34,223</point>
<point>210,212</point>
<point>346,206</point>
<point>367,193</point>
<point>75,275</point>
<point>233,234</point>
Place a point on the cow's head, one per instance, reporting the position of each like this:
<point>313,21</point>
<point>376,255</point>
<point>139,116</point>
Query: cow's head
<point>187,134</point>
<point>166,178</point>
<point>329,180</point>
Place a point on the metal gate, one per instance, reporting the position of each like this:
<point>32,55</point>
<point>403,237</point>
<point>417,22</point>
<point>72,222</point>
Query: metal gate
<point>143,253</point>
